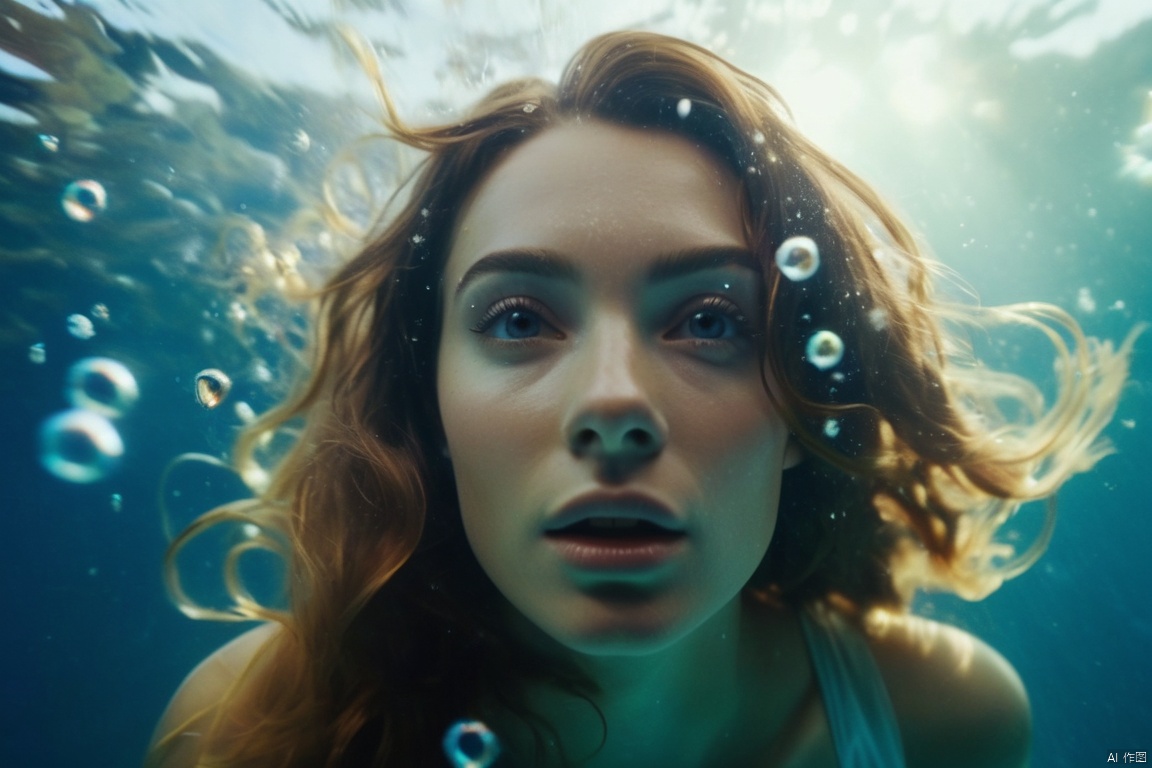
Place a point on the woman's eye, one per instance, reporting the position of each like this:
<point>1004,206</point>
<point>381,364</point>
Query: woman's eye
<point>714,319</point>
<point>514,319</point>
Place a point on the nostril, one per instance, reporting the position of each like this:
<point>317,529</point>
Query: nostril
<point>584,439</point>
<point>638,438</point>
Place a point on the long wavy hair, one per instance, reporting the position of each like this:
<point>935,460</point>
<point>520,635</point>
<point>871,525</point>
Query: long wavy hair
<point>916,454</point>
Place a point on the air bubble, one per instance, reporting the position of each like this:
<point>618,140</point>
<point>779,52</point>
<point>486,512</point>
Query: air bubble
<point>37,354</point>
<point>417,239</point>
<point>301,141</point>
<point>798,258</point>
<point>80,326</point>
<point>116,501</point>
<point>100,312</point>
<point>758,137</point>
<point>49,142</point>
<point>212,386</point>
<point>102,385</point>
<point>80,446</point>
<point>878,318</point>
<point>470,744</point>
<point>529,107</point>
<point>244,412</point>
<point>84,200</point>
<point>825,350</point>
<point>684,108</point>
<point>831,428</point>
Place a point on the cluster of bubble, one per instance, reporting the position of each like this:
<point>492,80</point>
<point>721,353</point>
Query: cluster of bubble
<point>81,445</point>
<point>471,744</point>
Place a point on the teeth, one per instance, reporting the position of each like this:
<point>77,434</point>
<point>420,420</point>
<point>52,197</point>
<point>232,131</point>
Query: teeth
<point>613,522</point>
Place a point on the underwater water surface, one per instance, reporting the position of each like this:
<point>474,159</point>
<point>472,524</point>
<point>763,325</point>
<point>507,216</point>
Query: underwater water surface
<point>161,169</point>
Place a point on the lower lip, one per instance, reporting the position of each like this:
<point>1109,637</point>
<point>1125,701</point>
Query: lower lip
<point>599,554</point>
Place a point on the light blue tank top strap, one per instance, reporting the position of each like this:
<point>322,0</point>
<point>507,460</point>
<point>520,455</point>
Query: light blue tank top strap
<point>860,714</point>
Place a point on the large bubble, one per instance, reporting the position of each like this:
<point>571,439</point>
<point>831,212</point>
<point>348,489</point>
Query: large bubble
<point>84,200</point>
<point>825,350</point>
<point>798,258</point>
<point>470,744</point>
<point>80,446</point>
<point>102,385</point>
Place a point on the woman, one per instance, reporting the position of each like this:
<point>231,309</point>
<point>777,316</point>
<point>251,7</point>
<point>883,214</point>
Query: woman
<point>630,438</point>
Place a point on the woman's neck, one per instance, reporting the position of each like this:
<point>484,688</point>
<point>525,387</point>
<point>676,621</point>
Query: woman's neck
<point>688,704</point>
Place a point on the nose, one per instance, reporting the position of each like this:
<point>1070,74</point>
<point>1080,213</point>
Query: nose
<point>613,420</point>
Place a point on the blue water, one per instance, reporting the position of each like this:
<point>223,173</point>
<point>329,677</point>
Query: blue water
<point>1002,135</point>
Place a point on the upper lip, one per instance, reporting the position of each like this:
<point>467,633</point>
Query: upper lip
<point>631,505</point>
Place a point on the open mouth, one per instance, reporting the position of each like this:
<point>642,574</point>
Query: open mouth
<point>615,528</point>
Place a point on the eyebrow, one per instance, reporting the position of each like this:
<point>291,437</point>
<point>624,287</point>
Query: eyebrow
<point>553,264</point>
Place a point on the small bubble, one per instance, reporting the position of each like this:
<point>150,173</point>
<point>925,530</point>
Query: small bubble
<point>84,200</point>
<point>244,412</point>
<point>798,258</point>
<point>80,326</point>
<point>470,744</point>
<point>1118,305</point>
<point>79,446</point>
<point>684,108</point>
<point>831,428</point>
<point>417,239</point>
<point>212,386</point>
<point>37,354</point>
<point>425,213</point>
<point>301,141</point>
<point>758,137</point>
<point>1085,301</point>
<point>529,107</point>
<point>878,318</point>
<point>116,501</point>
<point>49,142</point>
<point>100,312</point>
<point>825,350</point>
<point>261,372</point>
<point>93,571</point>
<point>1128,423</point>
<point>102,385</point>
<point>251,530</point>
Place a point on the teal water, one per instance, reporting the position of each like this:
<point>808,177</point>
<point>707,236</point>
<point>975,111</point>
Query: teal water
<point>1009,135</point>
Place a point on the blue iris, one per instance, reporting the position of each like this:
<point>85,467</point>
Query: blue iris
<point>517,324</point>
<point>711,325</point>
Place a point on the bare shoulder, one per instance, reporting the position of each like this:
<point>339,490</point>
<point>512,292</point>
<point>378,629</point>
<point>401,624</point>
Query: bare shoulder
<point>959,702</point>
<point>175,743</point>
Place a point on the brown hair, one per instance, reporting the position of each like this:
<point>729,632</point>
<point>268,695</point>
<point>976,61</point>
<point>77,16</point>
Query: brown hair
<point>394,632</point>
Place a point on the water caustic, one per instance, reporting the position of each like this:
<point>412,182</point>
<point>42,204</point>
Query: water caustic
<point>470,744</point>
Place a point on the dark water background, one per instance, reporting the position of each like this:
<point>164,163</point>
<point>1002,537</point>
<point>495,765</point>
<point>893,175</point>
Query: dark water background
<point>1017,185</point>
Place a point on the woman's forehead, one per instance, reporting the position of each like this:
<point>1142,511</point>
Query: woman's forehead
<point>597,187</point>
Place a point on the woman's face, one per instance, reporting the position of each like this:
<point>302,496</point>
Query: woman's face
<point>617,459</point>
